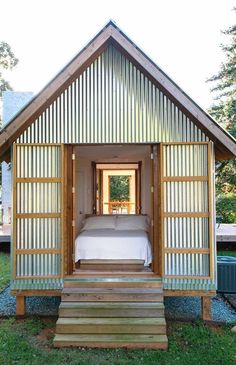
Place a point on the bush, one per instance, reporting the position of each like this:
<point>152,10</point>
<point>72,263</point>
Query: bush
<point>226,207</point>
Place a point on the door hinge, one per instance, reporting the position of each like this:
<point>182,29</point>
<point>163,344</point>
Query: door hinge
<point>73,156</point>
<point>73,223</point>
<point>73,189</point>
<point>73,256</point>
<point>151,156</point>
<point>152,189</point>
<point>152,223</point>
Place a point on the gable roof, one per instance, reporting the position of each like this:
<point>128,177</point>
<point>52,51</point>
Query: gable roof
<point>225,144</point>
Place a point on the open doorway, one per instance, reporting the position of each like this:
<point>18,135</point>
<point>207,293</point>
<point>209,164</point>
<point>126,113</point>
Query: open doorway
<point>117,188</point>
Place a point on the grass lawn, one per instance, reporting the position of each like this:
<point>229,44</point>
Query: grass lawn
<point>29,341</point>
<point>226,253</point>
<point>4,270</point>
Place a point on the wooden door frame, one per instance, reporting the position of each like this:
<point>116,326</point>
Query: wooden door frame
<point>70,214</point>
<point>138,202</point>
<point>157,201</point>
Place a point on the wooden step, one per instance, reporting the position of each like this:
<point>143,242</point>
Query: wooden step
<point>110,274</point>
<point>112,294</point>
<point>113,283</point>
<point>111,265</point>
<point>111,325</point>
<point>111,309</point>
<point>112,341</point>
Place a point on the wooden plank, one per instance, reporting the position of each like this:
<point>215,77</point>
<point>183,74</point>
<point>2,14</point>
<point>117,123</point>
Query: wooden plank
<point>184,178</point>
<point>194,293</point>
<point>38,251</point>
<point>211,225</point>
<point>206,308</point>
<point>14,209</point>
<point>157,252</point>
<point>20,277</point>
<point>39,293</point>
<point>38,180</point>
<point>112,284</point>
<point>38,215</point>
<point>187,250</point>
<point>111,325</point>
<point>161,208</point>
<point>114,294</point>
<point>185,215</point>
<point>110,309</point>
<point>112,341</point>
<point>20,305</point>
<point>74,214</point>
<point>113,262</point>
<point>199,277</point>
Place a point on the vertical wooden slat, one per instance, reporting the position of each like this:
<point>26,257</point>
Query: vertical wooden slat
<point>73,206</point>
<point>14,205</point>
<point>157,216</point>
<point>210,207</point>
<point>68,208</point>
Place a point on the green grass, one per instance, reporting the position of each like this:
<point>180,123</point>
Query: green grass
<point>29,341</point>
<point>4,270</point>
<point>226,253</point>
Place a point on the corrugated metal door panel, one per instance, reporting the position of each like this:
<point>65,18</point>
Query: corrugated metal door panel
<point>186,211</point>
<point>38,212</point>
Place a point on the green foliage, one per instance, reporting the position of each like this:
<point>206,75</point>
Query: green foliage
<point>224,111</point>
<point>226,207</point>
<point>4,270</point>
<point>7,62</point>
<point>195,344</point>
<point>119,188</point>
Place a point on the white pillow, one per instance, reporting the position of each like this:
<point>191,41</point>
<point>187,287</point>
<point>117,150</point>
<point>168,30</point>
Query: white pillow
<point>130,222</point>
<point>99,222</point>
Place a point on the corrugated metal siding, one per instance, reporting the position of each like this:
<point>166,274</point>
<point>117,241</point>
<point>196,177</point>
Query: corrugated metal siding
<point>112,102</point>
<point>38,214</point>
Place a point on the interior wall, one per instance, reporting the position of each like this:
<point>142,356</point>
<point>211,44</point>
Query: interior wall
<point>85,155</point>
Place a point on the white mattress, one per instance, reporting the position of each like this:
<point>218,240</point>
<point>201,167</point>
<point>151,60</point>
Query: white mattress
<point>113,244</point>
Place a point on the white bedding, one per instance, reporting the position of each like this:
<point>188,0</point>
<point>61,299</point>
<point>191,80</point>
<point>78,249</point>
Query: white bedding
<point>113,244</point>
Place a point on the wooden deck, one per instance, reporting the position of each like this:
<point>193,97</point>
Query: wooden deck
<point>111,311</point>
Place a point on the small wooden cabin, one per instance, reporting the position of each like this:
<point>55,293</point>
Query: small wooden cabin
<point>112,111</point>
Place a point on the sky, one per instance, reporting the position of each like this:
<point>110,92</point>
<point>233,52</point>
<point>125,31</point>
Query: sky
<point>182,37</point>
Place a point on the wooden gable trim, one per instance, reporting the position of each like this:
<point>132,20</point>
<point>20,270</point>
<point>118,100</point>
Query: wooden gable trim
<point>225,144</point>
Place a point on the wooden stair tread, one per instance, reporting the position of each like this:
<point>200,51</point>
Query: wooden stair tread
<point>69,291</point>
<point>137,262</point>
<point>112,321</point>
<point>112,305</point>
<point>111,337</point>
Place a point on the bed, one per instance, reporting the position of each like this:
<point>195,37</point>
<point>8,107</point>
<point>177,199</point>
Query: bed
<point>114,238</point>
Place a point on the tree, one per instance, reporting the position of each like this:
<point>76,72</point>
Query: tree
<point>7,62</point>
<point>119,188</point>
<point>224,111</point>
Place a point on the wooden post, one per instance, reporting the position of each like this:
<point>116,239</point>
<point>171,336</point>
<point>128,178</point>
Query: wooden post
<point>20,305</point>
<point>206,308</point>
